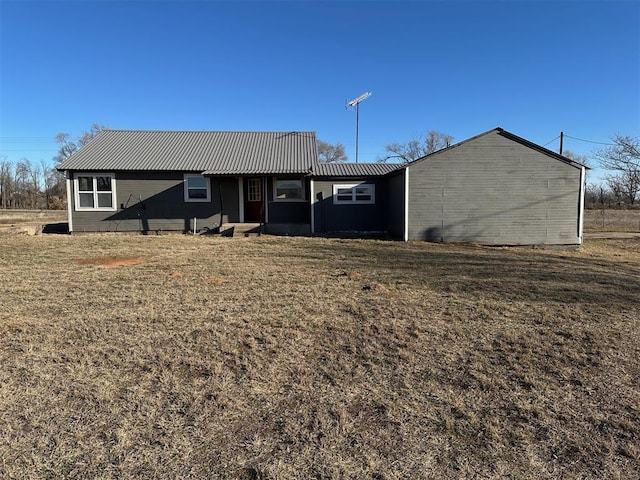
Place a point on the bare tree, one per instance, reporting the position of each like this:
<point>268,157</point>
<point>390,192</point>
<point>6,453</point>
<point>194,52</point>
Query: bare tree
<point>20,195</point>
<point>623,157</point>
<point>328,153</point>
<point>576,157</point>
<point>68,146</point>
<point>625,186</point>
<point>6,175</point>
<point>56,192</point>
<point>417,147</point>
<point>34,189</point>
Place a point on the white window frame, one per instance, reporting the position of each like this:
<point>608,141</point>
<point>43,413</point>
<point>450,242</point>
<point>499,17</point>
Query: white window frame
<point>94,175</point>
<point>254,189</point>
<point>275,190</point>
<point>186,188</point>
<point>352,187</point>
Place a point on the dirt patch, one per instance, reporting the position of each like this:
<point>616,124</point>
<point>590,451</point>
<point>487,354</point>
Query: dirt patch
<point>215,280</point>
<point>111,262</point>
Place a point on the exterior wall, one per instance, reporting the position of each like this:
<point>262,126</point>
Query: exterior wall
<point>396,204</point>
<point>288,212</point>
<point>493,190</point>
<point>349,218</point>
<point>162,208</point>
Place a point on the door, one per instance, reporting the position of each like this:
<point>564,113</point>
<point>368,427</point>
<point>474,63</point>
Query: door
<point>253,203</point>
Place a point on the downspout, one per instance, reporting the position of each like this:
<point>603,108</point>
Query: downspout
<point>406,204</point>
<point>583,181</point>
<point>70,199</point>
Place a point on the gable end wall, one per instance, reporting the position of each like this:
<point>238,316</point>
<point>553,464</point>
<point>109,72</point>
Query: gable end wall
<point>493,190</point>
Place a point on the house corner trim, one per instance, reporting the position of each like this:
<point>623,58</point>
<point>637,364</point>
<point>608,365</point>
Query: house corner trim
<point>583,182</point>
<point>406,205</point>
<point>69,201</point>
<point>240,199</point>
<point>313,205</point>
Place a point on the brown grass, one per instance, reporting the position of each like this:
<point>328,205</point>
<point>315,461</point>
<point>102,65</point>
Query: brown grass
<point>16,217</point>
<point>458,362</point>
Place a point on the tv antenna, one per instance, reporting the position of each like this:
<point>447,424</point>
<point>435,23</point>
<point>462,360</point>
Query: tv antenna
<point>356,103</point>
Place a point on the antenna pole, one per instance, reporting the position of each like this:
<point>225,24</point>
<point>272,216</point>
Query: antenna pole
<point>356,103</point>
<point>357,123</point>
<point>561,141</point>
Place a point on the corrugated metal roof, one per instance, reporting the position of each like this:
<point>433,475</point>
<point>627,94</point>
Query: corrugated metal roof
<point>355,169</point>
<point>515,138</point>
<point>213,152</point>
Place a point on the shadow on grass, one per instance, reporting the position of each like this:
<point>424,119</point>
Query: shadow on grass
<point>514,274</point>
<point>61,228</point>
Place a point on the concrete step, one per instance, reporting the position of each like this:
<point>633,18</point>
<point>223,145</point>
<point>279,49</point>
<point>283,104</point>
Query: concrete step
<point>242,229</point>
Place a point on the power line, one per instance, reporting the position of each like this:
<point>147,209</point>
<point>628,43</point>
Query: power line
<point>588,141</point>
<point>25,142</point>
<point>551,141</point>
<point>26,139</point>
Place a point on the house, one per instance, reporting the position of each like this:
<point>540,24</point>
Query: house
<point>495,188</point>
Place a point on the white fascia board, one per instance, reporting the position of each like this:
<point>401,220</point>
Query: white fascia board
<point>406,204</point>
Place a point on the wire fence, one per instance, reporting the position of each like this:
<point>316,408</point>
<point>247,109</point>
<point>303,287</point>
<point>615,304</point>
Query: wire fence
<point>609,220</point>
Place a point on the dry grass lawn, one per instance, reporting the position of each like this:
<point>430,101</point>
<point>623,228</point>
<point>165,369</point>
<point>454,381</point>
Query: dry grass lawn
<point>278,358</point>
<point>8,217</point>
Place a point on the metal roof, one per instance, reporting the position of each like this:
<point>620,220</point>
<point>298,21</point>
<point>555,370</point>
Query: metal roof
<point>355,169</point>
<point>511,136</point>
<point>211,152</point>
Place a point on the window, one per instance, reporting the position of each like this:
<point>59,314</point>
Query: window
<point>349,194</point>
<point>289,189</point>
<point>254,190</point>
<point>197,188</point>
<point>95,191</point>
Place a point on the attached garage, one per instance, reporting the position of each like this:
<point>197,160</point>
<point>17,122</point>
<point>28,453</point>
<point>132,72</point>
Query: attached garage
<point>496,189</point>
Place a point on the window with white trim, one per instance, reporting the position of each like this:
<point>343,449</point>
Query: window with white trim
<point>254,190</point>
<point>288,189</point>
<point>197,188</point>
<point>95,191</point>
<point>349,194</point>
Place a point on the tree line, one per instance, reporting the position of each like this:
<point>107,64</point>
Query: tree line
<point>28,185</point>
<point>39,186</point>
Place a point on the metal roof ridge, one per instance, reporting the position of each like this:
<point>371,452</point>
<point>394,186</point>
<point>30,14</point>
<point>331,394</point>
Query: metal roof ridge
<point>139,130</point>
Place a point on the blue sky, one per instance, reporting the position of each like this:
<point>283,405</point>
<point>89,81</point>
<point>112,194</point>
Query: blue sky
<point>534,68</point>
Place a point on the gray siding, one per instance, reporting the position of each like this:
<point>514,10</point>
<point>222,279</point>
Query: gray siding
<point>162,207</point>
<point>395,204</point>
<point>494,190</point>
<point>349,218</point>
<point>294,212</point>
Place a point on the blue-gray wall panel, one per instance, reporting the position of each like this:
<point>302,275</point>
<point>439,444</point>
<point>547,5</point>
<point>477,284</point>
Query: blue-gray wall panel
<point>162,206</point>
<point>283,212</point>
<point>494,190</point>
<point>395,204</point>
<point>349,218</point>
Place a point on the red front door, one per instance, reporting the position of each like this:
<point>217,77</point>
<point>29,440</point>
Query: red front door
<point>253,200</point>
